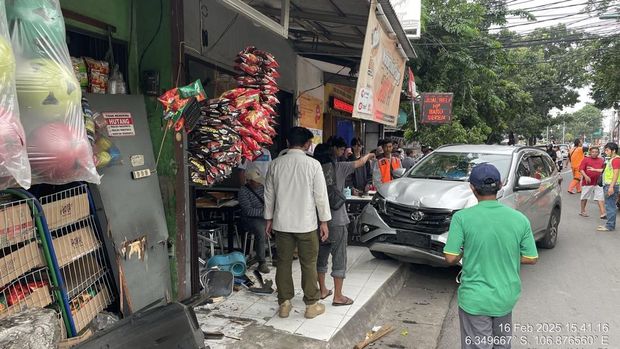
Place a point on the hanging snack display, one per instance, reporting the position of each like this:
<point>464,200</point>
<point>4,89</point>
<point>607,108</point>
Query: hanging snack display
<point>49,94</point>
<point>14,165</point>
<point>236,125</point>
<point>176,100</point>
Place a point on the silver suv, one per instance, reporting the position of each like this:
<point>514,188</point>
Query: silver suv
<point>408,219</point>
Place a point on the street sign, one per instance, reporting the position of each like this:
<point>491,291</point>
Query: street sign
<point>436,108</point>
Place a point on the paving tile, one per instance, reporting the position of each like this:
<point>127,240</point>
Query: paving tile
<point>232,307</point>
<point>330,309</point>
<point>288,324</point>
<point>316,330</point>
<point>261,310</point>
<point>328,319</point>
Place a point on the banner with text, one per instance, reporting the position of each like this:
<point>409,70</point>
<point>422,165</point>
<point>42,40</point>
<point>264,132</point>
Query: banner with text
<point>311,116</point>
<point>436,108</point>
<point>381,73</point>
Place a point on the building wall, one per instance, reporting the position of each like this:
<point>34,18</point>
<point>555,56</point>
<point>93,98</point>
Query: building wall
<point>228,33</point>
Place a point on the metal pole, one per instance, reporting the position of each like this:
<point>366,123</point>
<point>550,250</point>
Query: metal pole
<point>563,131</point>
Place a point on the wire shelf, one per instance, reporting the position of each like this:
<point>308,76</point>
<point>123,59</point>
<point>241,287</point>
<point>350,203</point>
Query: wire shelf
<point>82,273</point>
<point>91,301</point>
<point>76,240</point>
<point>66,207</point>
<point>16,222</point>
<point>29,291</point>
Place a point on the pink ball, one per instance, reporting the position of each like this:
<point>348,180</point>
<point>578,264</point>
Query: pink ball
<point>57,153</point>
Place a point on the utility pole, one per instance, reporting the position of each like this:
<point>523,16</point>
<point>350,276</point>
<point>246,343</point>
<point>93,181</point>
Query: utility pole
<point>563,131</point>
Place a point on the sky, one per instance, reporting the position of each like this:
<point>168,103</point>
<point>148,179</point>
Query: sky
<point>573,14</point>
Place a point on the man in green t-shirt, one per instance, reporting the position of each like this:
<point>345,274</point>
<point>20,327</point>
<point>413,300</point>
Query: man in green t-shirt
<point>493,240</point>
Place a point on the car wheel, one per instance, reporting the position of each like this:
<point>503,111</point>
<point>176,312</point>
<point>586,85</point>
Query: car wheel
<point>551,238</point>
<point>379,255</point>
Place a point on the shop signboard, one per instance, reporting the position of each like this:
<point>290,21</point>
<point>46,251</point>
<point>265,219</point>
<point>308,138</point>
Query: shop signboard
<point>341,92</point>
<point>381,73</point>
<point>119,124</point>
<point>311,116</point>
<point>436,108</point>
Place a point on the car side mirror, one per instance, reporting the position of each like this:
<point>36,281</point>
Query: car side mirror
<point>528,183</point>
<point>399,172</point>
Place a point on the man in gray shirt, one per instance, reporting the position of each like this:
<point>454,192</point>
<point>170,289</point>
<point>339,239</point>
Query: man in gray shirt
<point>408,161</point>
<point>338,233</point>
<point>295,191</point>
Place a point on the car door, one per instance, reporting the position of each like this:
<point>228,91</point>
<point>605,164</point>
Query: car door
<point>527,201</point>
<point>545,196</point>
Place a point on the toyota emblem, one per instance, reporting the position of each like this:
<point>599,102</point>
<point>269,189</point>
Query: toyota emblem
<point>417,216</point>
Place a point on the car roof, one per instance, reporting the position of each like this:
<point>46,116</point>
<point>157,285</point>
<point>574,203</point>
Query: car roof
<point>479,148</point>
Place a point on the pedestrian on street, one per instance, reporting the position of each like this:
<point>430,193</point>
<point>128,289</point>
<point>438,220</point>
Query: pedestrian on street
<point>575,157</point>
<point>362,175</point>
<point>591,169</point>
<point>383,171</point>
<point>252,204</point>
<point>493,240</point>
<point>552,153</point>
<point>610,186</point>
<point>559,158</point>
<point>295,193</point>
<point>338,233</point>
<point>409,160</point>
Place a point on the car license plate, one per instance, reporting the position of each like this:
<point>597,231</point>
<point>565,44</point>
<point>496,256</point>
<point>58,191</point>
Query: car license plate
<point>414,239</point>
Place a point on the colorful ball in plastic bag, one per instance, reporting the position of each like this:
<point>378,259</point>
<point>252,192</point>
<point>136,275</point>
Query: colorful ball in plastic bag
<point>115,154</point>
<point>39,22</point>
<point>103,159</point>
<point>46,89</point>
<point>56,153</point>
<point>7,60</point>
<point>11,143</point>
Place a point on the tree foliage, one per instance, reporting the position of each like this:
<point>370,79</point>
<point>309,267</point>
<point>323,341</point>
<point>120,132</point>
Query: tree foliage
<point>501,81</point>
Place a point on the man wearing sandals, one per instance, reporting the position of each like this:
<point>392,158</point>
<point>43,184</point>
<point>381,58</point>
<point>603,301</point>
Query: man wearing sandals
<point>338,232</point>
<point>591,169</point>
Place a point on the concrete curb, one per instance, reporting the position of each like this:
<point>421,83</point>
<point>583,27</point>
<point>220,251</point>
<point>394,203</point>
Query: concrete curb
<point>362,322</point>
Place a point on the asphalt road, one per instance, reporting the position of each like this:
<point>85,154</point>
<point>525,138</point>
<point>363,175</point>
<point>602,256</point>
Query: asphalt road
<point>571,295</point>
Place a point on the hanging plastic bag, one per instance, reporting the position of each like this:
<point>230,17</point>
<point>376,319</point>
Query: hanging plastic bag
<point>14,165</point>
<point>49,94</point>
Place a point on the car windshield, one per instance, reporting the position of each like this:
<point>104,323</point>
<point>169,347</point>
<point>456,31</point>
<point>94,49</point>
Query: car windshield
<point>457,166</point>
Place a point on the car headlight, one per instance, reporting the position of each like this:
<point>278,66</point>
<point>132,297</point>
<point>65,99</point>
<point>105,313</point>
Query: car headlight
<point>378,202</point>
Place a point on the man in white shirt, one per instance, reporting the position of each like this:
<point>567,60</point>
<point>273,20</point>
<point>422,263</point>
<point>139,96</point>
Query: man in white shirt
<point>295,191</point>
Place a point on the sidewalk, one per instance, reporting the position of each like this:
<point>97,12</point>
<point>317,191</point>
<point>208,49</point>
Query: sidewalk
<point>243,310</point>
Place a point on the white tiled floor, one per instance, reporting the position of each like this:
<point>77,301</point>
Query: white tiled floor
<point>365,275</point>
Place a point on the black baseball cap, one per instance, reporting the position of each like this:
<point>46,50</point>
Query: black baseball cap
<point>485,175</point>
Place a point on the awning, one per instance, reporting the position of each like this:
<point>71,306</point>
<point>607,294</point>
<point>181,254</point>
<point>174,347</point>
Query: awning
<point>330,30</point>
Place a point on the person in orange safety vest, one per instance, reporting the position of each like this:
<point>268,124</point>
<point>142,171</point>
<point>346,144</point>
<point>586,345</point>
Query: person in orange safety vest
<point>385,164</point>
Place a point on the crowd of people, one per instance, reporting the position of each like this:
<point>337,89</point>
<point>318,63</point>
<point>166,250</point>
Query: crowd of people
<point>596,178</point>
<point>299,200</point>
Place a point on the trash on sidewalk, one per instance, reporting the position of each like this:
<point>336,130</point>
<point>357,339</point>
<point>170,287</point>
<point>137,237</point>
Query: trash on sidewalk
<point>103,320</point>
<point>266,287</point>
<point>404,332</point>
<point>375,334</point>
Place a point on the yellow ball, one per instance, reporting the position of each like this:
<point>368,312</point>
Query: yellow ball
<point>48,89</point>
<point>7,59</point>
<point>103,159</point>
<point>103,144</point>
